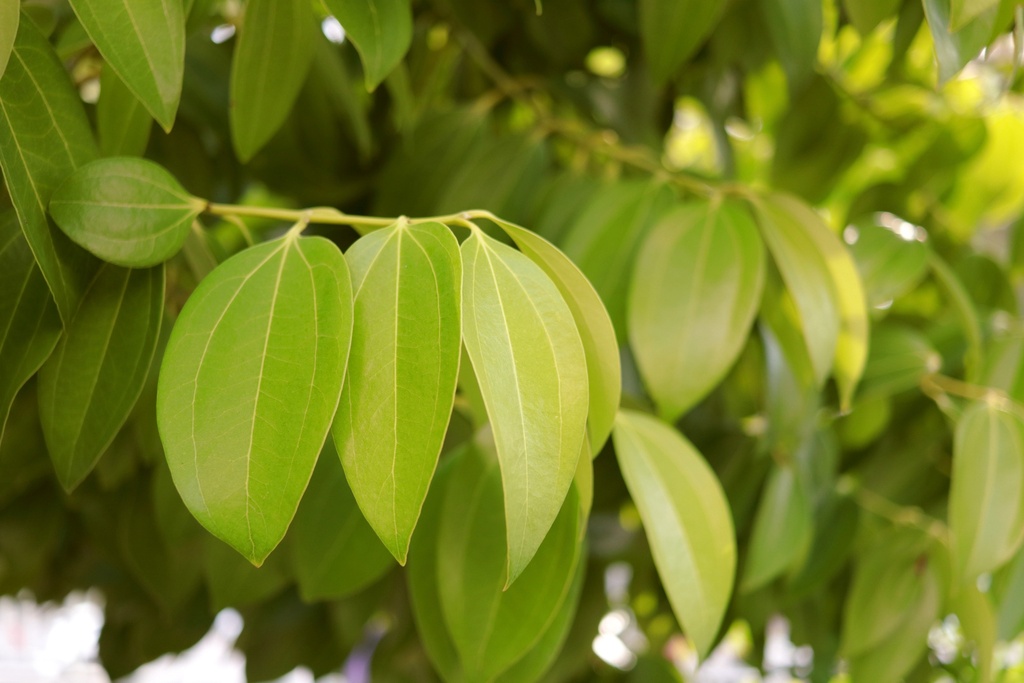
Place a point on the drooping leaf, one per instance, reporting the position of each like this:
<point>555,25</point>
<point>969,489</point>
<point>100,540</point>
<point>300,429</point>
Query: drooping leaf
<point>954,47</point>
<point>783,529</point>
<point>122,122</point>
<point>696,289</point>
<point>232,582</point>
<point>808,279</point>
<point>889,264</point>
<point>686,519</point>
<point>90,384</point>
<point>126,210</point>
<point>9,16</point>
<point>29,320</point>
<point>531,367</point>
<point>273,54</point>
<point>44,136</point>
<point>592,321</point>
<point>672,30</point>
<point>401,378</point>
<point>334,551</point>
<point>795,27</point>
<point>978,621</point>
<point>986,501</point>
<point>144,42</point>
<point>962,12</point>
<point>249,384</point>
<point>381,30</point>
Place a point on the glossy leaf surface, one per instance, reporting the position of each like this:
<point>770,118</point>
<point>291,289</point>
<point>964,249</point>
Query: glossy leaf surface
<point>250,383</point>
<point>531,367</point>
<point>401,378</point>
<point>126,210</point>
<point>783,529</point>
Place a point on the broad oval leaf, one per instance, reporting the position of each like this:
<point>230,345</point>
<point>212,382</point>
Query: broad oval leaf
<point>273,54</point>
<point>783,529</point>
<point>696,289</point>
<point>249,384</point>
<point>381,30</point>
<point>334,552</point>
<point>89,386</point>
<point>686,519</point>
<point>126,210</point>
<point>672,30</point>
<point>592,321</point>
<point>400,384</point>
<point>29,322</point>
<point>986,500</point>
<point>44,136</point>
<point>123,124</point>
<point>144,42</point>
<point>530,364</point>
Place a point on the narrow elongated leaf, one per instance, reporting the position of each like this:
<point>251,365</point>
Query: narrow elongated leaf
<point>89,386</point>
<point>531,367</point>
<point>593,323</point>
<point>696,289</point>
<point>381,30</point>
<point>272,56</point>
<point>672,30</point>
<point>795,27</point>
<point>126,210</point>
<point>334,551</point>
<point>44,136</point>
<point>852,344</point>
<point>249,384</point>
<point>686,519</point>
<point>978,620</point>
<point>986,503</point>
<point>807,277</point>
<point>122,122</point>
<point>783,529</point>
<point>401,378</point>
<point>144,42</point>
<point>9,16</point>
<point>29,323</point>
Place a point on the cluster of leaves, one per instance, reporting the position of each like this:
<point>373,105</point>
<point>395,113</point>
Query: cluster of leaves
<point>421,381</point>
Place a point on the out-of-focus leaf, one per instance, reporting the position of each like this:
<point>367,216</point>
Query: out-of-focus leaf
<point>380,29</point>
<point>900,356</point>
<point>122,122</point>
<point>978,620</point>
<point>783,529</point>
<point>795,27</point>
<point>889,264</point>
<point>954,47</point>
<point>672,30</point>
<point>865,15</point>
<point>233,582</point>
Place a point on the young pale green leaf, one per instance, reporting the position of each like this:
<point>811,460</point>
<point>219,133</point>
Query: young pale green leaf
<point>29,323</point>
<point>90,384</point>
<point>250,383</point>
<point>852,344</point>
<point>122,123</point>
<point>490,627</point>
<point>978,621</point>
<point>334,552</point>
<point>9,16</point>
<point>783,529</point>
<point>144,42</point>
<point>593,323</point>
<point>381,30</point>
<point>44,136</point>
<point>808,278</point>
<point>696,289</point>
<point>686,518</point>
<point>273,53</point>
<point>126,210</point>
<point>1008,593</point>
<point>672,30</point>
<point>986,501</point>
<point>526,351</point>
<point>402,373</point>
<point>865,15</point>
<point>889,264</point>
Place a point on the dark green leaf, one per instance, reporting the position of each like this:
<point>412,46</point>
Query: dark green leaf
<point>234,582</point>
<point>783,529</point>
<point>122,123</point>
<point>380,29</point>
<point>889,264</point>
<point>865,15</point>
<point>672,30</point>
<point>9,16</point>
<point>795,27</point>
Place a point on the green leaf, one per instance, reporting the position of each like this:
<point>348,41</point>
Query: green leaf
<point>250,383</point>
<point>233,582</point>
<point>865,15</point>
<point>90,384</point>
<point>492,628</point>
<point>889,265</point>
<point>808,278</point>
<point>526,351</point>
<point>592,321</point>
<point>28,316</point>
<point>696,289</point>
<point>1008,592</point>
<point>144,42</point>
<point>978,621</point>
<point>9,15</point>
<point>686,519</point>
<point>334,551</point>
<point>672,30</point>
<point>783,529</point>
<point>401,378</point>
<point>963,12</point>
<point>44,136</point>
<point>273,53</point>
<point>795,27</point>
<point>122,123</point>
<point>126,210</point>
<point>986,501</point>
<point>381,30</point>
<point>954,47</point>
<point>900,356</point>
